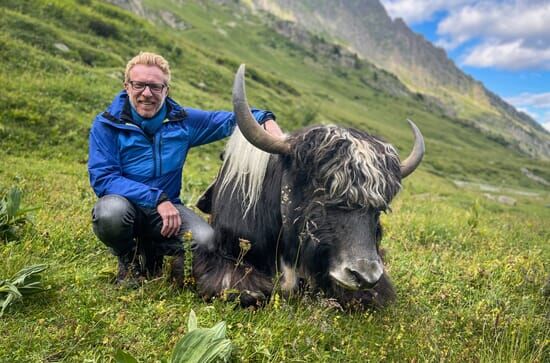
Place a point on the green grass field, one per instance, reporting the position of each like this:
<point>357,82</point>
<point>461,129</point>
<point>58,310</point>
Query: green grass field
<point>469,271</point>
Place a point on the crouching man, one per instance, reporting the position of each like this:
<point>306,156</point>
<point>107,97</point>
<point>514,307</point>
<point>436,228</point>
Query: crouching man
<point>137,150</point>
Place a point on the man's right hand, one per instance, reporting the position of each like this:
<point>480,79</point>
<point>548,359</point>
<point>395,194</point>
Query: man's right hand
<point>171,219</point>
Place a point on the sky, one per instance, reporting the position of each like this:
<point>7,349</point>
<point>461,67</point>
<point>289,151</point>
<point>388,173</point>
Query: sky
<point>503,43</point>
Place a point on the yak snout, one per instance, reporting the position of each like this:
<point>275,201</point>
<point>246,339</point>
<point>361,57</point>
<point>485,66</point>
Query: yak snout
<point>361,274</point>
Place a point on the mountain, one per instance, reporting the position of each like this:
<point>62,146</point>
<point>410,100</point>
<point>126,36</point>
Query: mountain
<point>74,52</point>
<point>364,27</point>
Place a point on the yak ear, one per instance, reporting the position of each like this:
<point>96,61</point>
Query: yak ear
<point>205,200</point>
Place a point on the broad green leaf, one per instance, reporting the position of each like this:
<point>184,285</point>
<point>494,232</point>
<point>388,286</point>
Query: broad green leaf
<point>29,290</point>
<point>13,201</point>
<point>24,282</point>
<point>23,274</point>
<point>192,346</point>
<point>7,301</point>
<point>218,350</point>
<point>192,321</point>
<point>219,330</point>
<point>10,289</point>
<point>12,215</point>
<point>203,345</point>
<point>123,357</point>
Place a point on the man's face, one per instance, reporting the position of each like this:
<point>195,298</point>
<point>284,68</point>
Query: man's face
<point>147,101</point>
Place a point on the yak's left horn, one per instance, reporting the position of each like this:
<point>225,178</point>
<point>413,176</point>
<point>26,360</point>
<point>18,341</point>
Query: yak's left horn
<point>251,130</point>
<point>415,157</point>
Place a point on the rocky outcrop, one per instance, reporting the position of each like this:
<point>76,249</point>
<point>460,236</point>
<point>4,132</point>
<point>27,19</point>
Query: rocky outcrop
<point>163,16</point>
<point>135,6</point>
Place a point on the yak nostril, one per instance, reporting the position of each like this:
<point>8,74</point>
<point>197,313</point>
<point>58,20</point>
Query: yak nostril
<point>360,279</point>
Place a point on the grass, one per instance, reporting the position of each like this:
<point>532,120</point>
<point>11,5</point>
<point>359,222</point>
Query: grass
<point>466,290</point>
<point>469,271</point>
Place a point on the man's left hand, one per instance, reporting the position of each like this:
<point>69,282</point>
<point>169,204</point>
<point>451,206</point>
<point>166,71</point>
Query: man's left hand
<point>171,219</point>
<point>274,129</point>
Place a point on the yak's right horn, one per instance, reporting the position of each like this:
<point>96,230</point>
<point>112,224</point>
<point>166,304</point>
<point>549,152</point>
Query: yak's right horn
<point>249,127</point>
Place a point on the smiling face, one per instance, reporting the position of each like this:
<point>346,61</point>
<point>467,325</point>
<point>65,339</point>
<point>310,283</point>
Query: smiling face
<point>146,102</point>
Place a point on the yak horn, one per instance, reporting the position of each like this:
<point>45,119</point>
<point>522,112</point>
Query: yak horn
<point>249,127</point>
<point>415,157</point>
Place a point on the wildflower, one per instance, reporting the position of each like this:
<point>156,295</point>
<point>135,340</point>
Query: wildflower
<point>187,236</point>
<point>276,301</point>
<point>244,245</point>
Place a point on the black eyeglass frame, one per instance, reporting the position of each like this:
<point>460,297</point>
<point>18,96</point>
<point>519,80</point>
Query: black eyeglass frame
<point>153,87</point>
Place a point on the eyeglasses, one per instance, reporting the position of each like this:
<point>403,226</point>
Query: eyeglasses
<point>140,86</point>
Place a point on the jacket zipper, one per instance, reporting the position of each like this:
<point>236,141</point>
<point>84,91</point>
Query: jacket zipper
<point>152,140</point>
<point>160,152</point>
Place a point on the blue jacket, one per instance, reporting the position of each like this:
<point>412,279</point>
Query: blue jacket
<point>124,160</point>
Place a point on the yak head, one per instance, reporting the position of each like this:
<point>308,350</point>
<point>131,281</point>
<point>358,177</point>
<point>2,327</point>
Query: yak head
<point>335,184</point>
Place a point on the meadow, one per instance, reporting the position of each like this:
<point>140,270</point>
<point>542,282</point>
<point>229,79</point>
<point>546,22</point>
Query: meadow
<point>472,274</point>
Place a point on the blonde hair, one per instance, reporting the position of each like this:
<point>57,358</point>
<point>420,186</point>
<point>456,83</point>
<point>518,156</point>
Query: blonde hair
<point>149,59</point>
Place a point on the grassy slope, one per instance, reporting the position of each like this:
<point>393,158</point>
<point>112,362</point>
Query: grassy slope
<point>468,271</point>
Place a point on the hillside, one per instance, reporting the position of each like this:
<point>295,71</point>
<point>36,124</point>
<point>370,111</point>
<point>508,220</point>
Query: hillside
<point>82,57</point>
<point>364,27</point>
<point>467,238</point>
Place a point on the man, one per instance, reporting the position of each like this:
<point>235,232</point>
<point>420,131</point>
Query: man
<point>136,154</point>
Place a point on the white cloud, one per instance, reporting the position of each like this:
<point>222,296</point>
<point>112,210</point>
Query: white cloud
<point>545,120</point>
<point>508,34</point>
<point>511,34</point>
<point>536,105</point>
<point>499,21</point>
<point>528,112</point>
<point>418,11</point>
<point>512,56</point>
<point>539,100</point>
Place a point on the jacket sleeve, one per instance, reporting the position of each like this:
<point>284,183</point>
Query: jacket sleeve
<point>106,174</point>
<point>209,126</point>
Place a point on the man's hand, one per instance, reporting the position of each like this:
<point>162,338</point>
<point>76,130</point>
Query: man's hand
<point>171,220</point>
<point>272,128</point>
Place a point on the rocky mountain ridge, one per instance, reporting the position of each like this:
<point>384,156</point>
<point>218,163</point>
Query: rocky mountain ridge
<point>364,27</point>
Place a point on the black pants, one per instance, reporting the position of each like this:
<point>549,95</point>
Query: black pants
<point>118,223</point>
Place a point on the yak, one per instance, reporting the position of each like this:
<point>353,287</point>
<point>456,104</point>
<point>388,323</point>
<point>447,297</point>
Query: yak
<point>300,212</point>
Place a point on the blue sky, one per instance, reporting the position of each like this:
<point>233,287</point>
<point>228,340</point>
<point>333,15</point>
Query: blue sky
<point>503,43</point>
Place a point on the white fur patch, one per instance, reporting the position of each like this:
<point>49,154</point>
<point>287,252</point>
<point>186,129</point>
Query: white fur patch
<point>289,277</point>
<point>226,281</point>
<point>244,170</point>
